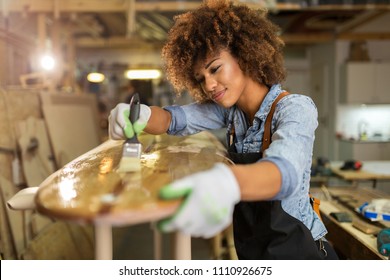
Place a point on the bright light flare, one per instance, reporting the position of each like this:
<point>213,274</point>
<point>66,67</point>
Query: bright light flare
<point>47,62</point>
<point>95,77</point>
<point>144,74</point>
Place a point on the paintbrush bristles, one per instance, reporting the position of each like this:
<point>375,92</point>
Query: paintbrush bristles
<point>129,164</point>
<point>131,155</point>
<point>132,148</point>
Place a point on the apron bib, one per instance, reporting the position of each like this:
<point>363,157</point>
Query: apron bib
<point>262,229</point>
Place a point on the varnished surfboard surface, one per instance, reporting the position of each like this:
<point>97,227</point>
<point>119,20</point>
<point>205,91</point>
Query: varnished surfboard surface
<point>89,188</point>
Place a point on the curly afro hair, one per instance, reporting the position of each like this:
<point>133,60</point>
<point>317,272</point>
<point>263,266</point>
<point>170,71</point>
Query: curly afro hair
<point>220,24</point>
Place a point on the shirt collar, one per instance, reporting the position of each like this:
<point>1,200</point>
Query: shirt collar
<point>270,97</point>
<point>265,106</point>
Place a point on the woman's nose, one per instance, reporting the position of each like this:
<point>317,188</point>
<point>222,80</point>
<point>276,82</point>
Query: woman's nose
<point>209,84</point>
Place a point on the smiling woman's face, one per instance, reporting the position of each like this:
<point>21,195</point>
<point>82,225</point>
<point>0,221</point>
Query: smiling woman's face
<point>221,78</point>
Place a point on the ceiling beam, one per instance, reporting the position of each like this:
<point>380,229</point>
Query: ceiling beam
<point>363,36</point>
<point>105,6</point>
<point>305,38</point>
<point>346,7</point>
<point>116,42</point>
<point>316,38</point>
<point>16,39</point>
<point>359,20</point>
<point>298,38</point>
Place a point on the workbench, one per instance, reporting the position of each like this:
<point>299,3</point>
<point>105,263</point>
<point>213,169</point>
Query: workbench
<point>373,171</point>
<point>349,241</point>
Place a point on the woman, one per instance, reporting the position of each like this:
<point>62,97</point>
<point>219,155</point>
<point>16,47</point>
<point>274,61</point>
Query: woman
<point>229,58</point>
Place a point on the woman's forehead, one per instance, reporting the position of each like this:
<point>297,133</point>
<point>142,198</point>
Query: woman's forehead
<point>210,56</point>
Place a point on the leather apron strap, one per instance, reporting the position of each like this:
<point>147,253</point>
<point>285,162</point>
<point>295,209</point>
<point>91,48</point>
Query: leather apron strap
<point>315,202</point>
<point>268,123</point>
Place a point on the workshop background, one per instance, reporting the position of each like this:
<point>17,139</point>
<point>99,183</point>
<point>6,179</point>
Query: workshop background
<point>67,63</point>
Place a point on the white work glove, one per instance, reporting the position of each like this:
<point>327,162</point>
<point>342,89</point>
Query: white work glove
<point>209,200</point>
<point>119,125</point>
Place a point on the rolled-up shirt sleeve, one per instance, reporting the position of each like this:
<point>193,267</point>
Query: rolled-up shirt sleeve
<point>193,118</point>
<point>178,120</point>
<point>289,176</point>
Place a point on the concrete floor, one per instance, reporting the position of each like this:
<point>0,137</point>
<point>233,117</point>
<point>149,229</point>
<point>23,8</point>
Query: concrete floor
<point>136,243</point>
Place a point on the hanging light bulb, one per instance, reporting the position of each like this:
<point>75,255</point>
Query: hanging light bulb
<point>47,62</point>
<point>95,77</point>
<point>143,74</point>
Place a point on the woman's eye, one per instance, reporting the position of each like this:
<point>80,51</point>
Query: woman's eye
<point>214,69</point>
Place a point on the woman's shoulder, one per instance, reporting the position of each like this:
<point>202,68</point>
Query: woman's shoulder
<point>297,99</point>
<point>296,104</point>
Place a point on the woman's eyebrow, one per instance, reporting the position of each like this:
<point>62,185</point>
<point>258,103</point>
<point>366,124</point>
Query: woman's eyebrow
<point>208,64</point>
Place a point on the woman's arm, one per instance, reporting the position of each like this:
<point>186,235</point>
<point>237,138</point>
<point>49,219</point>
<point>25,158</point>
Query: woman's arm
<point>258,181</point>
<point>159,121</point>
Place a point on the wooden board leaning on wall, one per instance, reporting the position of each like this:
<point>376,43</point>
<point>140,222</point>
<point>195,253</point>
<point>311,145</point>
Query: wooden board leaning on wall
<point>24,109</point>
<point>15,106</point>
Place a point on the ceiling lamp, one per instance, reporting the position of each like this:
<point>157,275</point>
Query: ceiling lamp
<point>47,62</point>
<point>143,74</point>
<point>95,77</point>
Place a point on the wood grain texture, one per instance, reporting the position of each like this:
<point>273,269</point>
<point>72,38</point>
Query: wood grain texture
<point>89,188</point>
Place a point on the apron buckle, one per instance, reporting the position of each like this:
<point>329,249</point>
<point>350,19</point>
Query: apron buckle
<point>322,247</point>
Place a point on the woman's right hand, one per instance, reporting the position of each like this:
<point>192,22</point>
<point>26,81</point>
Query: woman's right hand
<point>119,125</point>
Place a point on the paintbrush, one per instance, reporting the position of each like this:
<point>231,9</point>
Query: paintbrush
<point>131,153</point>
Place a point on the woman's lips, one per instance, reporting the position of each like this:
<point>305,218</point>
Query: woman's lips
<point>218,95</point>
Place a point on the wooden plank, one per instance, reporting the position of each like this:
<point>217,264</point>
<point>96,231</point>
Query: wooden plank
<point>61,241</point>
<point>69,6</point>
<point>15,218</point>
<point>38,223</point>
<point>24,225</point>
<point>89,189</point>
<point>117,41</point>
<point>7,248</point>
<point>72,6</point>
<point>37,157</point>
<point>359,20</point>
<point>15,105</point>
<point>72,123</point>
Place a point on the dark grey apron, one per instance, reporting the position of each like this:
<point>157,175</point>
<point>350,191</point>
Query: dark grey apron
<point>262,229</point>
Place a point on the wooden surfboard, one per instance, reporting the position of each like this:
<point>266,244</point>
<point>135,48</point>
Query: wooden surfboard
<point>90,190</point>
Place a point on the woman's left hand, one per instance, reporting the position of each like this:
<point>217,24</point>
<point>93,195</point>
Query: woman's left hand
<point>209,200</point>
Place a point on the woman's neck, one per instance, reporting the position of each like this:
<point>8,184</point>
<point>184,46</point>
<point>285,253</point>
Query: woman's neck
<point>251,99</point>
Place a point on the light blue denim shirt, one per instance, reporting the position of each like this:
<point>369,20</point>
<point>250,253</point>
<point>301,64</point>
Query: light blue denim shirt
<point>293,126</point>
